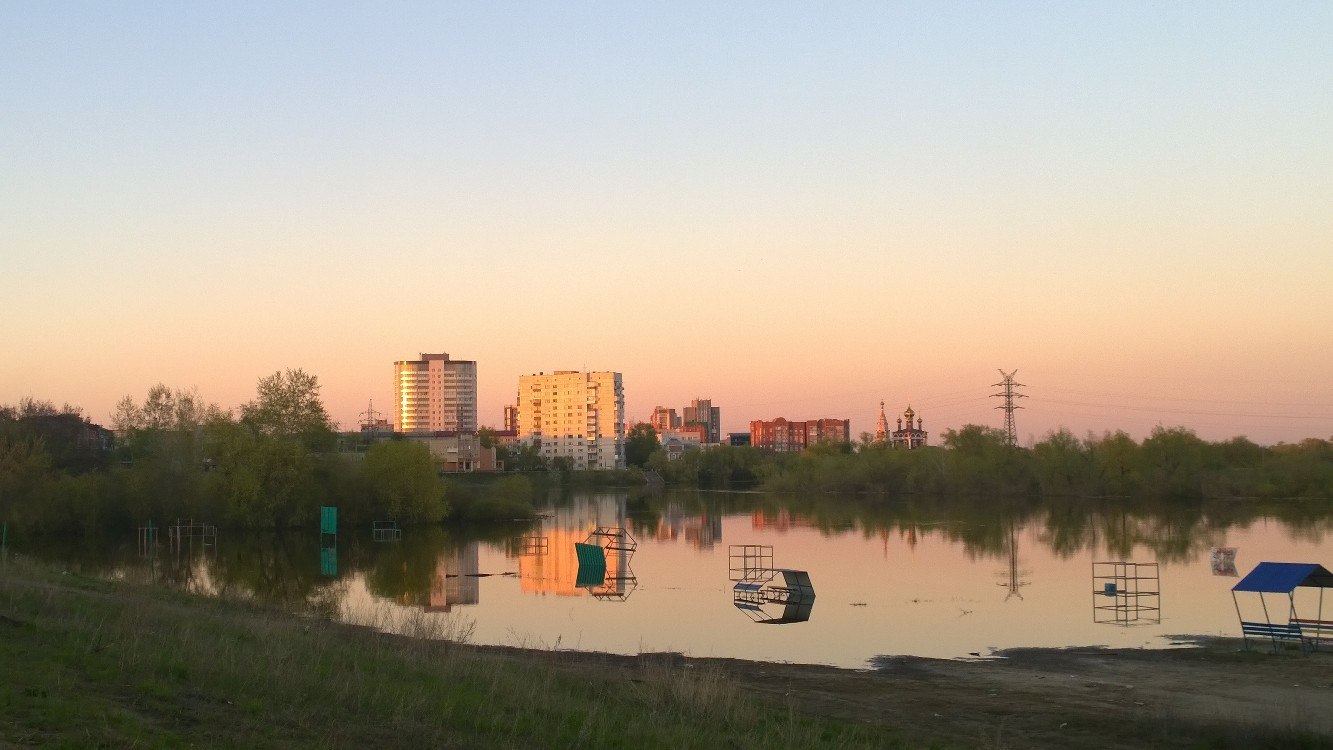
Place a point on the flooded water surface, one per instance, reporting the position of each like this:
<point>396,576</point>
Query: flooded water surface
<point>812,580</point>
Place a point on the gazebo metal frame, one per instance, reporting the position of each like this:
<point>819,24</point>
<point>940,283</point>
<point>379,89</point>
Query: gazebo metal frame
<point>1285,578</point>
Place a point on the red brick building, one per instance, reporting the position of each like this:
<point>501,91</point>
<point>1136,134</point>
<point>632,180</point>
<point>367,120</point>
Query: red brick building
<point>789,437</point>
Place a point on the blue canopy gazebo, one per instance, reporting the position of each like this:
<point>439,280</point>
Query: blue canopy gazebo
<point>1284,578</point>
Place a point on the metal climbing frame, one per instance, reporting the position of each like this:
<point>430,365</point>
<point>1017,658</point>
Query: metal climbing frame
<point>746,560</point>
<point>185,534</point>
<point>612,539</point>
<point>618,547</point>
<point>533,546</point>
<point>756,584</point>
<point>1126,593</point>
<point>147,540</point>
<point>385,531</point>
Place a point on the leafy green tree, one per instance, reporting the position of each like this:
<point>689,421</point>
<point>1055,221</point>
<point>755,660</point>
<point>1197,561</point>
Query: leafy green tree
<point>523,457</point>
<point>32,407</point>
<point>640,444</point>
<point>1063,463</point>
<point>1304,469</point>
<point>1115,460</point>
<point>975,440</point>
<point>162,443</point>
<point>1240,453</point>
<point>287,405</point>
<point>159,409</point>
<point>829,448</point>
<point>25,469</point>
<point>404,482</point>
<point>127,415</point>
<point>262,481</point>
<point>487,438</point>
<point>979,460</point>
<point>1174,460</point>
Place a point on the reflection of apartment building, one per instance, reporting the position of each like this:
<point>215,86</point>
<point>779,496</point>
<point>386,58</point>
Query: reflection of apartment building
<point>575,415</point>
<point>553,566</point>
<point>787,437</point>
<point>700,531</point>
<point>702,412</point>
<point>456,582</point>
<point>556,569</point>
<point>780,521</point>
<point>435,394</point>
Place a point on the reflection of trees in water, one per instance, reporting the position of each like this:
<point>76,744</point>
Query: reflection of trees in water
<point>1066,531</point>
<point>283,569</point>
<point>1168,537</point>
<point>273,568</point>
<point>1168,532</point>
<point>404,571</point>
<point>1067,528</point>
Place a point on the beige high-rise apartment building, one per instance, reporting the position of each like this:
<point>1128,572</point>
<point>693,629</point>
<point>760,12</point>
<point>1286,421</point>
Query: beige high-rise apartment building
<point>575,415</point>
<point>435,394</point>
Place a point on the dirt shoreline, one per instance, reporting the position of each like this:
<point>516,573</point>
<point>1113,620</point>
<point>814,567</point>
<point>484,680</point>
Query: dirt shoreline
<point>1212,692</point>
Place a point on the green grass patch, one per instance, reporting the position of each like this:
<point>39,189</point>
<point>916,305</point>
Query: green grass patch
<point>94,663</point>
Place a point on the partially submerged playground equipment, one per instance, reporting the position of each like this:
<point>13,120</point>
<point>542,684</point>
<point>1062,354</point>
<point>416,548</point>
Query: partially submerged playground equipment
<point>385,531</point>
<point>187,535</point>
<point>147,536</point>
<point>328,540</point>
<point>764,593</point>
<point>1126,593</point>
<point>1282,624</point>
<point>604,559</point>
<point>184,536</point>
<point>532,545</point>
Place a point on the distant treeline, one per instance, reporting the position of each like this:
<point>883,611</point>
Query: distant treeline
<point>277,461</point>
<point>270,466</point>
<point>1170,464</point>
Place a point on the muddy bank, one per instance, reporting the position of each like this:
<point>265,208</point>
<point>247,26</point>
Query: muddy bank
<point>1209,693</point>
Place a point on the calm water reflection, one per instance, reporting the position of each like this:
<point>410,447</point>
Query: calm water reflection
<point>926,577</point>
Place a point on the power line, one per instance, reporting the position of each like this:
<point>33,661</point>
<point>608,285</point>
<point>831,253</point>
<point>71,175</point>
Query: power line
<point>1186,398</point>
<point>1160,410</point>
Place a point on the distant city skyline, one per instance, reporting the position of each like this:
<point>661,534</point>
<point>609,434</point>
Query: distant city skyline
<point>793,210</point>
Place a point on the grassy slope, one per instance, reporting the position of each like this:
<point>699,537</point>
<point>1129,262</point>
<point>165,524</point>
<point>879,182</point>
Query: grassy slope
<point>91,663</point>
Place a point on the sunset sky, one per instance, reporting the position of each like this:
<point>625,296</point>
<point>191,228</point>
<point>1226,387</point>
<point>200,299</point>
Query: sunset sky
<point>796,210</point>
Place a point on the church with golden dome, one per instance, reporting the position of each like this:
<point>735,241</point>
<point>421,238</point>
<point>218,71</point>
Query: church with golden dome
<point>908,436</point>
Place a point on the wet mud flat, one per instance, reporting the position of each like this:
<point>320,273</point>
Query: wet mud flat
<point>1206,693</point>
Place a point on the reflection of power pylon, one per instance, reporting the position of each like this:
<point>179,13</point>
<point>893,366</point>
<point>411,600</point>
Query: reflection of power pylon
<point>1015,576</point>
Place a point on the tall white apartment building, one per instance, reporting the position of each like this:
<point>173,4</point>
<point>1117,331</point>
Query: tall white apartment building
<point>576,415</point>
<point>435,394</point>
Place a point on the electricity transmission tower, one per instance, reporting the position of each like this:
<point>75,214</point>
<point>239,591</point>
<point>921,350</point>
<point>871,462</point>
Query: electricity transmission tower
<point>1008,394</point>
<point>370,416</point>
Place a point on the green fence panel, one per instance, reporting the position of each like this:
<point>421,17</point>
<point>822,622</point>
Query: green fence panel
<point>592,564</point>
<point>328,561</point>
<point>328,519</point>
